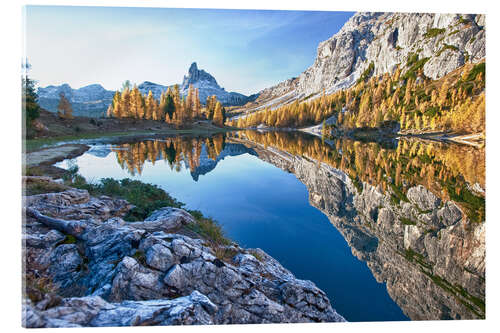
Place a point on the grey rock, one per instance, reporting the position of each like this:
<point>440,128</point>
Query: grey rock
<point>159,257</point>
<point>175,277</point>
<point>386,40</point>
<point>449,214</point>
<point>165,219</point>
<point>423,198</point>
<point>95,311</point>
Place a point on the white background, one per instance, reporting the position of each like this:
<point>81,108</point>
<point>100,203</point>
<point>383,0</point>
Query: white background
<point>11,44</point>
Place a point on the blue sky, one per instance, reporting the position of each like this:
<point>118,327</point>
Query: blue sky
<point>245,50</point>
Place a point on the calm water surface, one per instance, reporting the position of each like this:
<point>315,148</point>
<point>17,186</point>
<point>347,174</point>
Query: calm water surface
<point>258,205</point>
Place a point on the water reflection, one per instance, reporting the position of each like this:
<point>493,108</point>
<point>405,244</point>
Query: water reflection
<point>412,210</point>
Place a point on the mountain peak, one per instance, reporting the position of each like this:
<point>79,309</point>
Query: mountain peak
<point>193,68</point>
<point>195,76</point>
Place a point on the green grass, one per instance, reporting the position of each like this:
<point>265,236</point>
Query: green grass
<point>367,73</point>
<point>35,144</point>
<point>474,206</point>
<point>415,64</point>
<point>471,302</point>
<point>36,186</point>
<point>446,47</point>
<point>145,197</point>
<point>462,20</point>
<point>406,221</point>
<point>412,58</point>
<point>140,257</point>
<point>474,72</point>
<point>433,32</point>
<point>416,257</point>
<point>398,195</point>
<point>33,171</point>
<point>69,239</point>
<point>256,255</point>
<point>431,111</point>
<point>209,229</point>
<point>358,184</point>
<point>225,254</point>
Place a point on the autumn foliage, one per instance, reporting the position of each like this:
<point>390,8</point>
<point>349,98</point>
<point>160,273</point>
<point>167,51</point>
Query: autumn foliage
<point>455,102</point>
<point>171,108</point>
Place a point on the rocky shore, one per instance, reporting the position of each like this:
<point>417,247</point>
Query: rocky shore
<point>83,265</point>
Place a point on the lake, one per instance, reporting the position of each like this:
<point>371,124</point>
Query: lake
<point>319,207</point>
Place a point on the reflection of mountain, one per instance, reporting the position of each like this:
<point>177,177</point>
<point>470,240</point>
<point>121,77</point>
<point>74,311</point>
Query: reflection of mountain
<point>426,250</point>
<point>99,151</point>
<point>207,164</point>
<point>199,154</point>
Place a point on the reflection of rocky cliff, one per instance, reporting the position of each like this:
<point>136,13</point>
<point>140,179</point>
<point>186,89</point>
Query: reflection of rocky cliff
<point>207,164</point>
<point>428,253</point>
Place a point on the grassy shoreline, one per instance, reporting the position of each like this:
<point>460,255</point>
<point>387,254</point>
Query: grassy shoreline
<point>31,145</point>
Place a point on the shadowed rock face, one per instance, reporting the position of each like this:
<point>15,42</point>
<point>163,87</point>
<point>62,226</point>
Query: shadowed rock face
<point>429,254</point>
<point>117,273</point>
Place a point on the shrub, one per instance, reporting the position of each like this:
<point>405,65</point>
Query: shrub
<point>415,65</point>
<point>41,186</point>
<point>225,253</point>
<point>210,230</point>
<point>474,72</point>
<point>433,32</point>
<point>406,221</point>
<point>367,73</point>
<point>145,197</point>
<point>446,47</point>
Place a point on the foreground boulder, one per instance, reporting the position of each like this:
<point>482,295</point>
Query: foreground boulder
<point>95,311</point>
<point>103,271</point>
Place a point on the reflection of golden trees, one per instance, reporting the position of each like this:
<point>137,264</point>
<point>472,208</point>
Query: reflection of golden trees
<point>132,156</point>
<point>447,170</point>
<point>432,164</point>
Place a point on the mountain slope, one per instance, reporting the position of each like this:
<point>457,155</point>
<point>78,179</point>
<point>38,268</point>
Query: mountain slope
<point>448,41</point>
<point>93,100</point>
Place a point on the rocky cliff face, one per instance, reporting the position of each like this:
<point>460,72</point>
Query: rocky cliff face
<point>428,253</point>
<point>447,41</point>
<point>85,266</point>
<point>208,86</point>
<point>93,100</point>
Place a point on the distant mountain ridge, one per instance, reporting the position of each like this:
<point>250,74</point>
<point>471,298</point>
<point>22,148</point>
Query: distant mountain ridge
<point>88,101</point>
<point>93,100</point>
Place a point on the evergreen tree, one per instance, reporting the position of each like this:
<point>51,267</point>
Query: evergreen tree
<point>224,116</point>
<point>30,107</point>
<point>169,107</point>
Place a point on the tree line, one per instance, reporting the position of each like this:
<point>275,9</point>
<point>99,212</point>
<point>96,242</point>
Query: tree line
<point>454,102</point>
<point>171,108</point>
